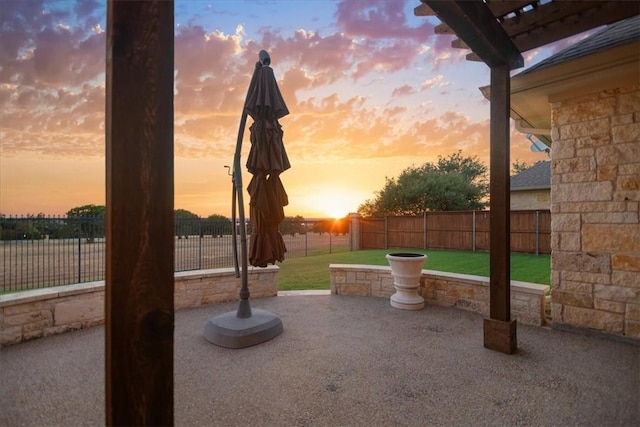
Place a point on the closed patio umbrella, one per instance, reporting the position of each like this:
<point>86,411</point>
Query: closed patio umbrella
<point>266,161</point>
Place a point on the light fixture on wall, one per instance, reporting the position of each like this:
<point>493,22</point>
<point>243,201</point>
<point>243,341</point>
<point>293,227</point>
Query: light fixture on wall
<point>538,146</point>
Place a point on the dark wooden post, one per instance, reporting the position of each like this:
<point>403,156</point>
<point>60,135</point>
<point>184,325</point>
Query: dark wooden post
<point>139,313</point>
<point>499,329</point>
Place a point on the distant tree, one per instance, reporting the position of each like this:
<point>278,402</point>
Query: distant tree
<point>217,226</point>
<point>453,183</point>
<point>518,167</point>
<point>217,217</point>
<point>27,227</point>
<point>183,213</point>
<point>8,228</point>
<point>293,225</point>
<point>186,223</point>
<point>87,211</point>
<point>340,226</point>
<point>321,226</point>
<point>87,221</point>
<point>333,226</point>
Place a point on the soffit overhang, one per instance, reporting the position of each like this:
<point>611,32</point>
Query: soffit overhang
<point>533,93</point>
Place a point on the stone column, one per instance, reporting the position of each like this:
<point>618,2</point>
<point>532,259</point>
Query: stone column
<point>595,220</point>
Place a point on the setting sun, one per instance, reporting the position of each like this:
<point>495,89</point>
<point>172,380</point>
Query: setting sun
<point>331,203</point>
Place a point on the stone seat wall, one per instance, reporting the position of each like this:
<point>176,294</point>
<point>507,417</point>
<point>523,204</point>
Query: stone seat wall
<point>42,312</point>
<point>528,300</point>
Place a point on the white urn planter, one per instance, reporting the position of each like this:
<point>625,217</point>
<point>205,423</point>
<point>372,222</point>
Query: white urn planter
<point>406,269</point>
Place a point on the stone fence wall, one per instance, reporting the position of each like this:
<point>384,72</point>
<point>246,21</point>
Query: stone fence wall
<point>528,300</point>
<point>41,312</point>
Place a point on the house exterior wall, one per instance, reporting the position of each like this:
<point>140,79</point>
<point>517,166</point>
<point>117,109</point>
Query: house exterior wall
<point>595,198</point>
<point>523,200</point>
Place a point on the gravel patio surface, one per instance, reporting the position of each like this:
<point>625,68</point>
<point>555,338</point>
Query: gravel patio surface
<point>343,361</point>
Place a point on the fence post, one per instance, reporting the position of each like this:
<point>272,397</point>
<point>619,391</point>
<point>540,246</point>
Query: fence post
<point>200,243</point>
<point>330,233</point>
<point>537,232</point>
<point>424,230</point>
<point>306,238</point>
<point>79,250</point>
<point>351,235</point>
<point>473,231</point>
<point>386,232</point>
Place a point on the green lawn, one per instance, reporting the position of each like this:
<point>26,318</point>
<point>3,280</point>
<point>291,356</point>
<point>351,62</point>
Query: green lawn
<point>312,272</point>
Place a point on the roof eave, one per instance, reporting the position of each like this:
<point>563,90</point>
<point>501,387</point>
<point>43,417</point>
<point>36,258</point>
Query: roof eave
<point>532,93</point>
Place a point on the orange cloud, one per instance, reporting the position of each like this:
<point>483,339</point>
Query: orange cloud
<point>352,84</point>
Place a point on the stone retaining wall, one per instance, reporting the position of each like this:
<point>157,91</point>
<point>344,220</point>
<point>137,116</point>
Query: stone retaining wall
<point>41,312</point>
<point>464,291</point>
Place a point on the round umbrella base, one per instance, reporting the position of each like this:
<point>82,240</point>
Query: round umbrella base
<point>228,330</point>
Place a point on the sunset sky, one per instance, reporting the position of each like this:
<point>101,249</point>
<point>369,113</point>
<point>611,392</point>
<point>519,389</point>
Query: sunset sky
<point>370,89</point>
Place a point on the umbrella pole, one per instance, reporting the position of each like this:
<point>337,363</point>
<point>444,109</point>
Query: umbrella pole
<point>244,308</point>
<point>234,227</point>
<point>245,327</point>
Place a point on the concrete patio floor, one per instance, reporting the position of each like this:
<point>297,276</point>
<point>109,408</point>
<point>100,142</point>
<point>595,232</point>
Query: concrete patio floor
<point>342,361</point>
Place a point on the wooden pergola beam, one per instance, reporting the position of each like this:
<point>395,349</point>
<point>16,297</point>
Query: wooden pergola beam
<point>503,7</point>
<point>139,277</point>
<point>546,14</point>
<point>549,22</point>
<point>423,10</point>
<point>475,24</point>
<point>557,27</point>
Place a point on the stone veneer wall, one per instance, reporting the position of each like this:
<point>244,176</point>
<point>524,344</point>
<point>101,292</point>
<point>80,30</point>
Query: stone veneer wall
<point>41,312</point>
<point>595,227</point>
<point>528,301</point>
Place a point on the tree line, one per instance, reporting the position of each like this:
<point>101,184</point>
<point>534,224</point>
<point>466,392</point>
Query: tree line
<point>87,222</point>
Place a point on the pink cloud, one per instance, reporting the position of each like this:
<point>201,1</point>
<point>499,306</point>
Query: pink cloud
<point>435,81</point>
<point>391,43</point>
<point>379,19</point>
<point>403,90</point>
<point>293,80</point>
<point>38,47</point>
<point>329,57</point>
<point>387,58</point>
<point>198,52</point>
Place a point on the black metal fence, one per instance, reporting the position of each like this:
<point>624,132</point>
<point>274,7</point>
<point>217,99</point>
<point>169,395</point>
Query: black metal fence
<point>38,252</point>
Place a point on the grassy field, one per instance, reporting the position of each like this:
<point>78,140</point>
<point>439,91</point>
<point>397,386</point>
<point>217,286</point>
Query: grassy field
<point>313,272</point>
